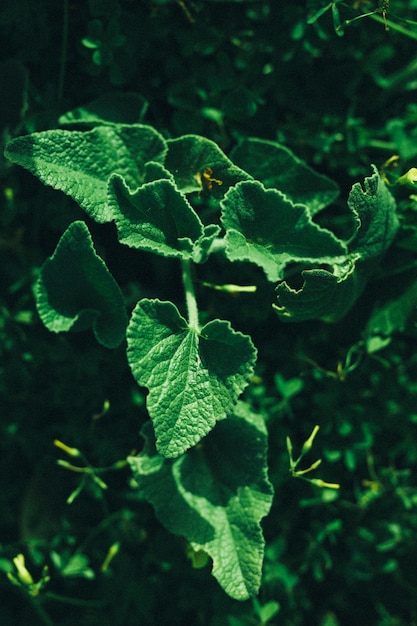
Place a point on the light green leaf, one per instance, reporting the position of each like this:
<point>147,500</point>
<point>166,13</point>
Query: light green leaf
<point>194,379</point>
<point>277,167</point>
<point>158,218</point>
<point>199,164</point>
<point>80,163</point>
<point>265,227</point>
<point>376,221</point>
<point>75,290</point>
<point>216,495</point>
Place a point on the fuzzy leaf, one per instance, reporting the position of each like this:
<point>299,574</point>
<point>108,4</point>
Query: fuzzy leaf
<point>194,379</point>
<point>266,228</point>
<point>80,163</point>
<point>75,290</point>
<point>215,495</point>
<point>325,294</point>
<point>376,221</point>
<point>198,164</point>
<point>277,167</point>
<point>329,294</point>
<point>158,218</point>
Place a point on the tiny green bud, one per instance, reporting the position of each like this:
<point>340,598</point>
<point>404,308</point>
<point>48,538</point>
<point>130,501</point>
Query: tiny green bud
<point>409,178</point>
<point>22,573</point>
<point>309,442</point>
<point>74,452</point>
<point>113,550</point>
<point>321,483</point>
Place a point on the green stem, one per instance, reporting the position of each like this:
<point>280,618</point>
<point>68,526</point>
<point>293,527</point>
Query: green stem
<point>394,26</point>
<point>190,298</point>
<point>41,613</point>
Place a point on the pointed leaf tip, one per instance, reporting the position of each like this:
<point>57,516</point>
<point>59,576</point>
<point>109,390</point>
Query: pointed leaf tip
<point>75,290</point>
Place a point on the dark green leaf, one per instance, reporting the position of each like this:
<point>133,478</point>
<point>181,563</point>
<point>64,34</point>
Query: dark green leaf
<point>80,163</point>
<point>75,290</point>
<point>266,228</point>
<point>277,167</point>
<point>215,495</point>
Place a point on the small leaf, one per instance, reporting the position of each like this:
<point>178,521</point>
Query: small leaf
<point>266,228</point>
<point>277,167</point>
<point>75,290</point>
<point>390,317</point>
<point>158,218</point>
<point>198,164</point>
<point>194,379</point>
<point>216,495</point>
<point>374,212</point>
<point>80,163</point>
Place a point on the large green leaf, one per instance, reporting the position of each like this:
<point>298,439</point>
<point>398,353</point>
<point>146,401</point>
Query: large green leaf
<point>194,378</point>
<point>75,290</point>
<point>277,167</point>
<point>158,218</point>
<point>328,293</point>
<point>80,163</point>
<point>215,495</point>
<point>199,164</point>
<point>265,227</point>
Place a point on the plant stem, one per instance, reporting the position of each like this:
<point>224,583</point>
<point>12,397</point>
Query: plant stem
<point>190,298</point>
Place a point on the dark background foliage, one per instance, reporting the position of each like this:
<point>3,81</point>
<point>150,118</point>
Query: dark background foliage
<point>225,70</point>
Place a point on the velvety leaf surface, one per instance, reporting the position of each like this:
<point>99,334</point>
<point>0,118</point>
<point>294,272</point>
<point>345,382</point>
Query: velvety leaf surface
<point>374,211</point>
<point>277,167</point>
<point>265,227</point>
<point>215,495</point>
<point>75,290</point>
<point>194,379</point>
<point>80,163</point>
<point>329,293</point>
<point>325,294</point>
<point>199,164</point>
<point>155,217</point>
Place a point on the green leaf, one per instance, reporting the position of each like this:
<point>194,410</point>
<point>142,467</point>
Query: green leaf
<point>194,378</point>
<point>325,294</point>
<point>158,218</point>
<point>328,294</point>
<point>390,317</point>
<point>75,290</point>
<point>116,108</point>
<point>266,228</point>
<point>215,495</point>
<point>198,164</point>
<point>80,163</point>
<point>277,167</point>
<point>376,221</point>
